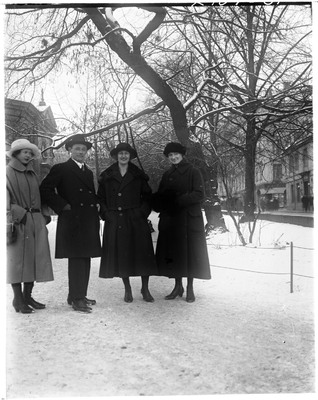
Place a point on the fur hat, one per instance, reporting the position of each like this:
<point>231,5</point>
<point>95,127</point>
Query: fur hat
<point>77,139</point>
<point>21,144</point>
<point>124,147</point>
<point>174,147</point>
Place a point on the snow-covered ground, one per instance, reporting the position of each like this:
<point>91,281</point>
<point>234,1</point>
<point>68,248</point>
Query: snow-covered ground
<point>246,332</point>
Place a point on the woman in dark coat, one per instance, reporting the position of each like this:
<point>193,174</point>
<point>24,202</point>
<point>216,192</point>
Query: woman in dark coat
<point>127,248</point>
<point>28,258</point>
<point>181,248</point>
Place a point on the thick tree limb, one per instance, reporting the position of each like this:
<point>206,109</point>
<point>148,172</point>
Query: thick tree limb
<point>135,61</point>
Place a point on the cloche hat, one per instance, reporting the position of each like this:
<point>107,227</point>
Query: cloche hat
<point>174,147</point>
<point>123,147</point>
<point>21,144</point>
<point>77,139</point>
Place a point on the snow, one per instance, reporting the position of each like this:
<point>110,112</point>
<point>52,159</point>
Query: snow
<point>246,333</point>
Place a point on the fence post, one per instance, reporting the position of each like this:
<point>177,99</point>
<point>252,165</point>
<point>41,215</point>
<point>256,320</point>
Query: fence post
<point>291,267</point>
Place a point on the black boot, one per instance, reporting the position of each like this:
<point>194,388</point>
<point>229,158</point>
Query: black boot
<point>190,293</point>
<point>27,291</point>
<point>145,291</point>
<point>177,290</point>
<point>18,300</point>
<point>128,294</point>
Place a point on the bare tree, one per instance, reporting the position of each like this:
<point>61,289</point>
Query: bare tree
<point>254,50</point>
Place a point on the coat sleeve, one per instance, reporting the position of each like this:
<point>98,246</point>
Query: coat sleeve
<point>48,190</point>
<point>101,197</point>
<point>15,213</point>
<point>145,198</point>
<point>196,190</point>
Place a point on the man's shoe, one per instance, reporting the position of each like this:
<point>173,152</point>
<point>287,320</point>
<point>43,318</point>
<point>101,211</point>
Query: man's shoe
<point>81,306</point>
<point>88,302</point>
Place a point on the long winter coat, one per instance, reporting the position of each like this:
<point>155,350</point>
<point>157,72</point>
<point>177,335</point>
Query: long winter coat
<point>77,232</point>
<point>127,244</point>
<point>28,259</point>
<point>181,248</point>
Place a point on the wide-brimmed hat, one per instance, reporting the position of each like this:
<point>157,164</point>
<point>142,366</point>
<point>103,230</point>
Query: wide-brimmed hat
<point>77,139</point>
<point>123,147</point>
<point>174,147</point>
<point>21,144</point>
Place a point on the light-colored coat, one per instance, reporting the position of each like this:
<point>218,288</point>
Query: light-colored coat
<point>28,259</point>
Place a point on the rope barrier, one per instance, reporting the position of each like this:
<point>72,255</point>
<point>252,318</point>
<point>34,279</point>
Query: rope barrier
<point>304,248</point>
<point>258,247</point>
<point>259,272</point>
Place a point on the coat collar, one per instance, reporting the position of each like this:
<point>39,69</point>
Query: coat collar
<point>180,168</point>
<point>132,173</point>
<point>18,166</point>
<point>112,172</point>
<point>84,176</point>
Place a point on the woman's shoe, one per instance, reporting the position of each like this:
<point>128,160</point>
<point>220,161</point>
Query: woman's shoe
<point>190,296</point>
<point>22,307</point>
<point>128,296</point>
<point>34,304</point>
<point>147,296</point>
<point>177,291</point>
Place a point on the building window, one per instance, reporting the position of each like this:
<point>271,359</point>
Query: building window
<point>305,158</point>
<point>298,192</point>
<point>296,161</point>
<point>277,172</point>
<point>291,163</point>
<point>292,193</point>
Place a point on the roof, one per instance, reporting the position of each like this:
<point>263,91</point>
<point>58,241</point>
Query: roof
<point>17,109</point>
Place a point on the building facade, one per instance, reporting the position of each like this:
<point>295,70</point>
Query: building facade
<point>37,124</point>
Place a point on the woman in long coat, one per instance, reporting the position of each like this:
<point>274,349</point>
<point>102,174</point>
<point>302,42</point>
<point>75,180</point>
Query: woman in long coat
<point>181,248</point>
<point>127,248</point>
<point>28,258</point>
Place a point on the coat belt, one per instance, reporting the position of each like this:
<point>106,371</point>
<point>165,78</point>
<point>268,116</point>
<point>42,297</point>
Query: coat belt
<point>32,210</point>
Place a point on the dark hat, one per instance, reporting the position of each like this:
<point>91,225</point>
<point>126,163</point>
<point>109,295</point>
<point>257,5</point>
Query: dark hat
<point>124,147</point>
<point>77,139</point>
<point>174,147</point>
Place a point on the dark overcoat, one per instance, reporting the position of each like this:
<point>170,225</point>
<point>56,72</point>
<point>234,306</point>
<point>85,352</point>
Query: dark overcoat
<point>127,244</point>
<point>77,232</point>
<point>181,248</point>
<point>28,259</point>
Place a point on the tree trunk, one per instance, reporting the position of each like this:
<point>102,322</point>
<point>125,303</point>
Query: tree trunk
<point>249,196</point>
<point>212,204</point>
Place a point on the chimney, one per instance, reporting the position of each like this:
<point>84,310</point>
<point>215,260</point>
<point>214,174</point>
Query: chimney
<point>42,102</point>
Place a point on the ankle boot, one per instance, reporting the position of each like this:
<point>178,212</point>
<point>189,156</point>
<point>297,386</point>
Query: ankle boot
<point>146,295</point>
<point>27,292</point>
<point>190,298</point>
<point>177,290</point>
<point>128,295</point>
<point>18,300</point>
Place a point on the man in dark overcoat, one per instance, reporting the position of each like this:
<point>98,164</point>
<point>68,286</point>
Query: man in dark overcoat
<point>69,190</point>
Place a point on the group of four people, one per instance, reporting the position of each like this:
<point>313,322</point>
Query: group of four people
<point>123,201</point>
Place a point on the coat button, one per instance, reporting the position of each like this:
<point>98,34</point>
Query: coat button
<point>119,208</point>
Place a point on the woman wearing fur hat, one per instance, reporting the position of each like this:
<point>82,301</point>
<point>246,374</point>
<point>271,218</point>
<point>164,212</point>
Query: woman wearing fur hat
<point>181,248</point>
<point>28,257</point>
<point>127,248</point>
